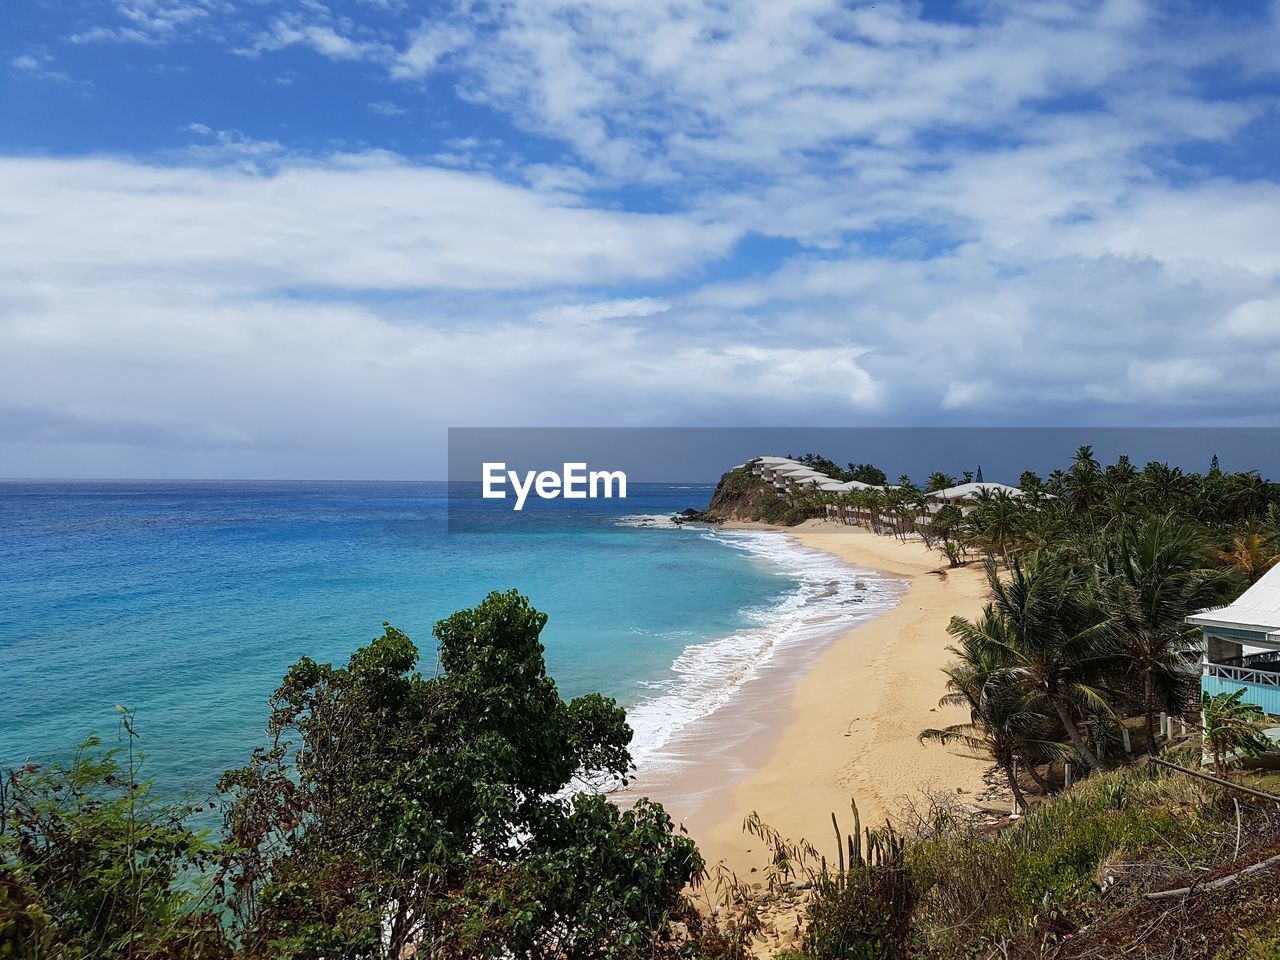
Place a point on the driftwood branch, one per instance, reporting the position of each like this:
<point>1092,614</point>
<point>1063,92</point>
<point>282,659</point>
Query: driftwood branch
<point>1218,780</point>
<point>1261,866</point>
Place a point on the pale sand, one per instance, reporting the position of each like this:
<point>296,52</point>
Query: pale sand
<point>849,729</point>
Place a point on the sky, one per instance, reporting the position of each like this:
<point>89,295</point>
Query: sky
<point>301,239</point>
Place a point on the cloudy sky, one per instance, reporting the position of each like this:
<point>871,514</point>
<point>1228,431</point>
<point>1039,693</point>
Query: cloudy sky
<point>300,238</point>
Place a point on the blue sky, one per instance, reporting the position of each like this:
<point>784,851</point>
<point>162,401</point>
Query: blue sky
<point>300,239</point>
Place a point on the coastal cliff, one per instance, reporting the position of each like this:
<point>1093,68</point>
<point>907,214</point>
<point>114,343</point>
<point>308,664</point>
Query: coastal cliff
<point>742,497</point>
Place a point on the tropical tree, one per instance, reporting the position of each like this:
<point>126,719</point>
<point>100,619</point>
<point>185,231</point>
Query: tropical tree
<point>100,865</point>
<point>1084,482</point>
<point>1247,495</point>
<point>396,811</point>
<point>1152,580</point>
<point>997,518</point>
<point>1251,553</point>
<point>1032,487</point>
<point>876,501</point>
<point>1058,641</point>
<point>866,473</point>
<point>938,481</point>
<point>945,525</point>
<point>1164,485</point>
<point>1005,720</point>
<point>1232,728</point>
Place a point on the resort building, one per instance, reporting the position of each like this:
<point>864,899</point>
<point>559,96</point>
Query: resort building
<point>766,467</point>
<point>789,476</point>
<point>1242,645</point>
<point>968,493</point>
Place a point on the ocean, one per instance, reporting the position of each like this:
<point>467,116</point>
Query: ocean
<point>186,601</point>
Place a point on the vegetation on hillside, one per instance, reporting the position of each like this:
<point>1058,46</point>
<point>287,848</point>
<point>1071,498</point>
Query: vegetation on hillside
<point>1072,879</point>
<point>397,811</point>
<point>1092,574</point>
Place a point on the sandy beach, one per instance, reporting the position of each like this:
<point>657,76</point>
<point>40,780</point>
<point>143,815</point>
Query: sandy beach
<point>848,728</point>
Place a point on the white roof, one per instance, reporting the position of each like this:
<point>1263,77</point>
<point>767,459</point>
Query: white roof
<point>774,460</point>
<point>798,470</point>
<point>830,486</point>
<point>1258,608</point>
<point>848,485</point>
<point>967,491</point>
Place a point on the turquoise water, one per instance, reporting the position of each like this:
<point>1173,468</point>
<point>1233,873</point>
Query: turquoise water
<point>187,601</point>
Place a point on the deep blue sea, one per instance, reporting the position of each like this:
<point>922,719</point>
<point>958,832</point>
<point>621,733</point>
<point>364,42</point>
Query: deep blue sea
<point>188,600</point>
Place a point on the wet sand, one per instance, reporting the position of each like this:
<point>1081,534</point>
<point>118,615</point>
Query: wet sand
<point>838,721</point>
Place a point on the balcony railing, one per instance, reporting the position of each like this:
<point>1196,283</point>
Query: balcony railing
<point>1263,677</point>
<point>1267,660</point>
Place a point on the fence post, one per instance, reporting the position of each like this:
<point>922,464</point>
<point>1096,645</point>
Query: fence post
<point>1124,735</point>
<point>1066,773</point>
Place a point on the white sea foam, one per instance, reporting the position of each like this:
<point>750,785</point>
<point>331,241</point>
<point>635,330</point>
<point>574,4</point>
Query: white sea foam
<point>662,520</point>
<point>830,597</point>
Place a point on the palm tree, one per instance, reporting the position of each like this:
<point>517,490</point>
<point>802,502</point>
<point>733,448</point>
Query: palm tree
<point>946,525</point>
<point>1232,727</point>
<point>1048,527</point>
<point>939,481</point>
<point>1247,495</point>
<point>1057,639</point>
<point>1005,721</point>
<point>1164,484</point>
<point>997,517</point>
<point>875,500</point>
<point>1252,554</point>
<point>1151,582</point>
<point>1084,481</point>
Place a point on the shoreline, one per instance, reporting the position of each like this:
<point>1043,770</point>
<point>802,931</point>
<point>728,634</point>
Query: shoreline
<point>710,752</point>
<point>795,748</point>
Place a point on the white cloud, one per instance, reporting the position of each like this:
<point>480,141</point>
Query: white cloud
<point>640,88</point>
<point>38,64</point>
<point>114,35</point>
<point>973,394</point>
<point>154,21</point>
<point>323,38</point>
<point>591,313</point>
<point>993,221</point>
<point>426,48</point>
<point>1174,378</point>
<point>359,222</point>
<point>1255,320</point>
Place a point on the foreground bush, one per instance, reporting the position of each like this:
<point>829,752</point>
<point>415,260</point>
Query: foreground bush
<point>95,865</point>
<point>391,813</point>
<point>1068,880</point>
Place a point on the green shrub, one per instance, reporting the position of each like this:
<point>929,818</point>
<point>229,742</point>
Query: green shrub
<point>866,917</point>
<point>391,812</point>
<point>974,888</point>
<point>92,862</point>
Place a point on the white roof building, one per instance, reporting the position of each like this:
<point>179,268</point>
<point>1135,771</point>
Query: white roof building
<point>778,460</point>
<point>1242,645</point>
<point>971,491</point>
<point>1255,612</point>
